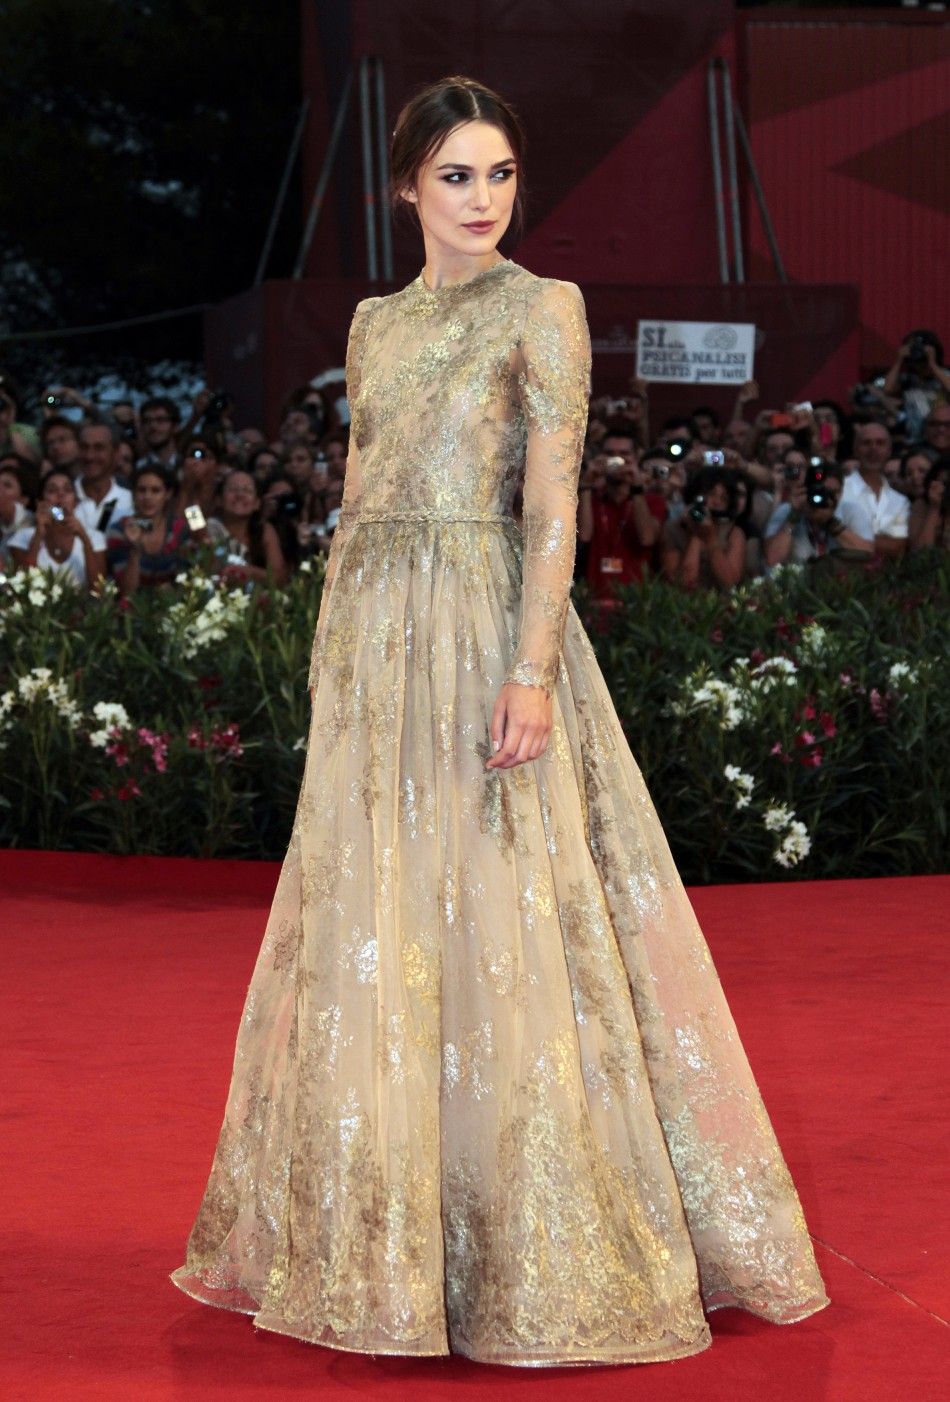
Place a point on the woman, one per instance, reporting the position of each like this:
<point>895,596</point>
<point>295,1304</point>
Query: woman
<point>704,548</point>
<point>59,541</point>
<point>298,464</point>
<point>488,1097</point>
<point>248,544</point>
<point>202,471</point>
<point>150,547</point>
<point>15,513</point>
<point>929,524</point>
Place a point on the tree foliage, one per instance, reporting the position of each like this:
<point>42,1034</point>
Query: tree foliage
<point>140,154</point>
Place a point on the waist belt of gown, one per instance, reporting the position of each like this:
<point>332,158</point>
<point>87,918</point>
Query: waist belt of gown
<point>432,515</point>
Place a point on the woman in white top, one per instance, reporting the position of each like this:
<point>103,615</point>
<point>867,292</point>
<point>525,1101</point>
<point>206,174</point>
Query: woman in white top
<point>59,541</point>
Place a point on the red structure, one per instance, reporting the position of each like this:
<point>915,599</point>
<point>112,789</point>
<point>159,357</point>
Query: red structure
<point>850,127</point>
<point>848,124</point>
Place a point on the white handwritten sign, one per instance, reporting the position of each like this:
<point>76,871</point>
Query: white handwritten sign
<point>695,352</point>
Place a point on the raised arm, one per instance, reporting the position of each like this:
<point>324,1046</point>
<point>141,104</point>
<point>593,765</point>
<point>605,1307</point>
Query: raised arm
<point>555,387</point>
<point>352,482</point>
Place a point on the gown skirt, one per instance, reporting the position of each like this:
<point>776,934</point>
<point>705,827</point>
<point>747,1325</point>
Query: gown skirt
<point>487,1096</point>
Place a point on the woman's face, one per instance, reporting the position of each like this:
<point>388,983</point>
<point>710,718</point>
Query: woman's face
<point>471,178</point>
<point>150,495</point>
<point>123,459</point>
<point>299,464</point>
<point>915,470</point>
<point>335,454</point>
<point>239,495</point>
<point>717,497</point>
<point>59,491</point>
<point>264,465</point>
<point>10,493</point>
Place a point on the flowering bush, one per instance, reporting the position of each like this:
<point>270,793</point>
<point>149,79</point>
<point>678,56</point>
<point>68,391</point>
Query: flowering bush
<point>797,727</point>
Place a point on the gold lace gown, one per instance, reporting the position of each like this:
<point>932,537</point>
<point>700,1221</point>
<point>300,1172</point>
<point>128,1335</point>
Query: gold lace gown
<point>488,1097</point>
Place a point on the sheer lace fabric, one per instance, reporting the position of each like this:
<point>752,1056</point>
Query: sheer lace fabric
<point>487,1093</point>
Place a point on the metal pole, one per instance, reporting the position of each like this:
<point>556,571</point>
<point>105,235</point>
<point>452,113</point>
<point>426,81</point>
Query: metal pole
<point>282,191</point>
<point>733,171</point>
<point>760,197</point>
<point>385,225</point>
<point>717,172</point>
<point>324,178</point>
<point>369,194</point>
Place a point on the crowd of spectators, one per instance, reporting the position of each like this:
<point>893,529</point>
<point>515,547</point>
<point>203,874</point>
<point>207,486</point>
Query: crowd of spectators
<point>140,495</point>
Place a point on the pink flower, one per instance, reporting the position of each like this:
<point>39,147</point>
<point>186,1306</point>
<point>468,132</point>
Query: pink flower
<point>715,635</point>
<point>846,679</point>
<point>196,741</point>
<point>228,741</point>
<point>827,722</point>
<point>96,795</point>
<point>805,738</point>
<point>776,748</point>
<point>158,744</point>
<point>127,791</point>
<point>118,751</point>
<point>813,759</point>
<point>808,710</point>
<point>880,705</point>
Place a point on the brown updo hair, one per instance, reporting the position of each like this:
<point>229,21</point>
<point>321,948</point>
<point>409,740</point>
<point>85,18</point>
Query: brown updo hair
<point>434,111</point>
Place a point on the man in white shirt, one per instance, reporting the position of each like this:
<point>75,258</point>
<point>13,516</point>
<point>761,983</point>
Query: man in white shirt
<point>100,500</point>
<point>869,506</point>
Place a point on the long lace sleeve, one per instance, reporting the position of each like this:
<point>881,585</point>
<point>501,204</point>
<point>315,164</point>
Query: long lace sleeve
<point>352,482</point>
<point>555,386</point>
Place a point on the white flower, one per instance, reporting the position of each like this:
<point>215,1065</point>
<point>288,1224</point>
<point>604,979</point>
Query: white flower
<point>743,783</point>
<point>301,744</point>
<point>704,692</point>
<point>772,672</point>
<point>37,598</point>
<point>794,847</point>
<point>305,567</point>
<point>814,639</point>
<point>777,817</point>
<point>902,672</point>
<point>111,715</point>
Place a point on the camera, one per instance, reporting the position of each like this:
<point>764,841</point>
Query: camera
<point>143,523</point>
<point>677,447</point>
<point>660,470</point>
<point>714,457</point>
<point>55,401</point>
<point>57,513</point>
<point>818,498</point>
<point>916,348</point>
<point>218,405</point>
<point>613,464</point>
<point>792,472</point>
<point>697,511</point>
<point>195,518</point>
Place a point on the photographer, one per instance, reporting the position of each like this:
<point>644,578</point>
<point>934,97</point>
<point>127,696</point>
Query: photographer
<point>704,548</point>
<point>147,547</point>
<point>918,379</point>
<point>665,477</point>
<point>912,471</point>
<point>616,518</point>
<point>804,526</point>
<point>282,506</point>
<point>929,525</point>
<point>201,471</point>
<point>298,462</point>
<point>59,541</point>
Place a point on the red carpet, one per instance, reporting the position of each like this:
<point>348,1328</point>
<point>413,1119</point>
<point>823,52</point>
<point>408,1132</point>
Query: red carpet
<point>123,981</point>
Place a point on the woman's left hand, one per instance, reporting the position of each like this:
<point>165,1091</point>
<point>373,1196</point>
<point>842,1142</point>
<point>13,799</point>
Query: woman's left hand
<point>520,725</point>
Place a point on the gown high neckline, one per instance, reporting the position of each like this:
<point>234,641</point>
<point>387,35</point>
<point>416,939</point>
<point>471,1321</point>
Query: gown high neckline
<point>438,293</point>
